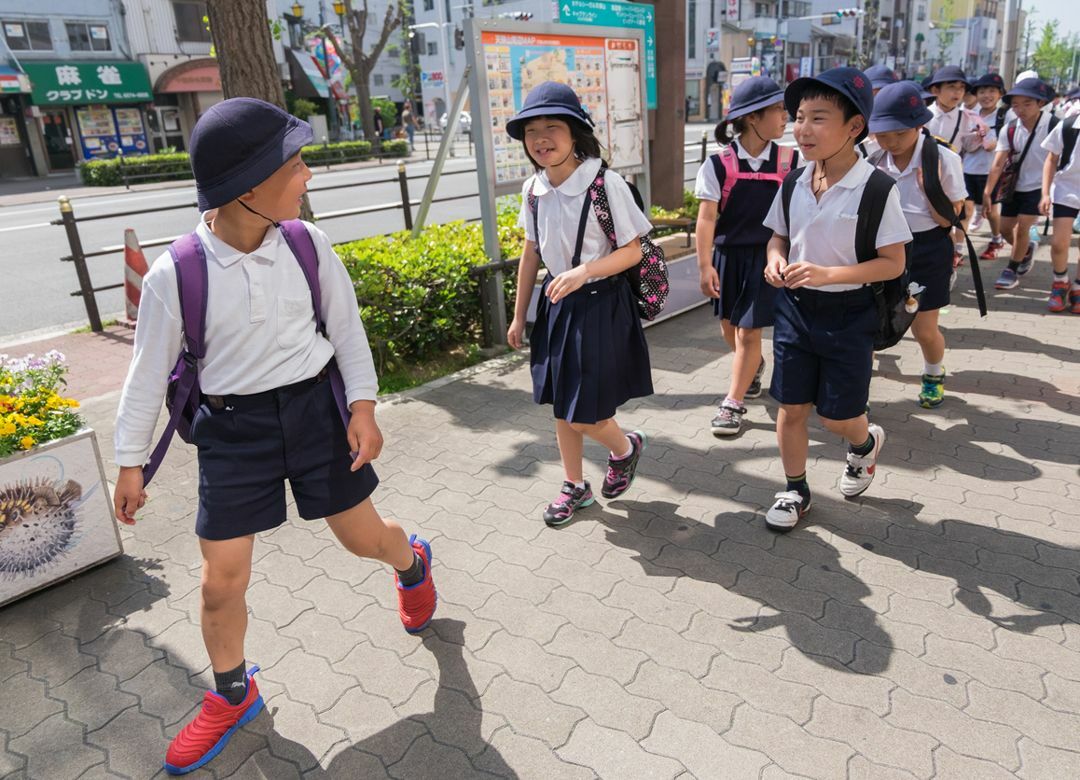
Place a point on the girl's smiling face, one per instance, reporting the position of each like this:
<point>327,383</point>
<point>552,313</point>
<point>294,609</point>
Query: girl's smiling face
<point>548,141</point>
<point>988,97</point>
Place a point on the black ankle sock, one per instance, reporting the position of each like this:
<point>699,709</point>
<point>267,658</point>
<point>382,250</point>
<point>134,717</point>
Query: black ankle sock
<point>1014,264</point>
<point>414,574</point>
<point>232,684</point>
<point>800,486</point>
<point>864,448</point>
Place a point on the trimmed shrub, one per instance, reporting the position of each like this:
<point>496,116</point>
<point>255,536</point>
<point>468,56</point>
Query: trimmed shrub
<point>138,168</point>
<point>346,151</point>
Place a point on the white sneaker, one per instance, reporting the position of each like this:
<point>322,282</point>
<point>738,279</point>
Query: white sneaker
<point>977,221</point>
<point>787,511</point>
<point>860,469</point>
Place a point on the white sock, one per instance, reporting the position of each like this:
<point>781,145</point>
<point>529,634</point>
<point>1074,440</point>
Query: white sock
<point>933,369</point>
<point>958,248</point>
<point>579,485</point>
<point>999,239</point>
<point>1062,277</point>
<point>978,211</point>
<point>627,454</point>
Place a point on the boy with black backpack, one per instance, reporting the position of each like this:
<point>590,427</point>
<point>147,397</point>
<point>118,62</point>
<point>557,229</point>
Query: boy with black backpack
<point>273,354</point>
<point>1061,198</point>
<point>838,234</point>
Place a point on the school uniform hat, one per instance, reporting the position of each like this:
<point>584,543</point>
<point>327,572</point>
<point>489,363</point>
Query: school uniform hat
<point>752,95</point>
<point>945,75</point>
<point>924,92</point>
<point>238,144</point>
<point>989,80</point>
<point>899,106</point>
<point>881,76</point>
<point>852,83</point>
<point>548,99</point>
<point>1074,95</point>
<point>1033,88</point>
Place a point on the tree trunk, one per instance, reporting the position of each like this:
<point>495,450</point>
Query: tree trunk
<point>668,121</point>
<point>361,81</point>
<point>245,53</point>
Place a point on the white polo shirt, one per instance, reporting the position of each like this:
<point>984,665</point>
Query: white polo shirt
<point>823,232</point>
<point>1065,189</point>
<point>1030,177</point>
<point>912,198</point>
<point>559,212</point>
<point>707,186</point>
<point>978,162</point>
<point>958,127</point>
<point>260,331</point>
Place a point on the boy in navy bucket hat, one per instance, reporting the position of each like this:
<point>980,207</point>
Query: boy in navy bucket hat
<point>286,386</point>
<point>826,314</point>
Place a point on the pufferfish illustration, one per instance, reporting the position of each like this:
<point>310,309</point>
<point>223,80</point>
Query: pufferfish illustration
<point>38,521</point>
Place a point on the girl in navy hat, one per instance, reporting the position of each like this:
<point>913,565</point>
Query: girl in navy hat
<point>588,349</point>
<point>989,90</point>
<point>897,121</point>
<point>739,184</point>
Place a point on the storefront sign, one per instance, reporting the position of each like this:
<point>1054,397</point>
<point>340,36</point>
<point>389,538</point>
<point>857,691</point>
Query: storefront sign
<point>196,78</point>
<point>81,83</point>
<point>12,81</point>
<point>9,131</point>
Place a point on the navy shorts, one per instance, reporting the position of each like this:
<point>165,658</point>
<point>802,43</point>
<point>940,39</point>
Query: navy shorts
<point>976,185</point>
<point>932,266</point>
<point>249,445</point>
<point>1065,212</point>
<point>1026,203</point>
<point>823,348</point>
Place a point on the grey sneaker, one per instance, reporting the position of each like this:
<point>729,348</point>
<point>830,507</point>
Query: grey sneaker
<point>754,391</point>
<point>860,469</point>
<point>571,498</point>
<point>728,420</point>
<point>1028,261</point>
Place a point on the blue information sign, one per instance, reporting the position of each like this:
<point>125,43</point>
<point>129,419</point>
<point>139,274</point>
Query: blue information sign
<point>616,13</point>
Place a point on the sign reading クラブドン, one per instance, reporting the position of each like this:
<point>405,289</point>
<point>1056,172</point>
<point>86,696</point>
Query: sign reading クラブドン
<point>84,83</point>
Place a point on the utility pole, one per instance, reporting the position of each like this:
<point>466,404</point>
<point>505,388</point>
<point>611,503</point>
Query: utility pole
<point>1009,41</point>
<point>668,122</point>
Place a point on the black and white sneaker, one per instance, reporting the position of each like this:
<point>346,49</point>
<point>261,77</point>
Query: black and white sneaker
<point>754,391</point>
<point>1028,261</point>
<point>787,511</point>
<point>860,469</point>
<point>728,420</point>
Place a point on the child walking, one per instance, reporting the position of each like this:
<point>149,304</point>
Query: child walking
<point>989,90</point>
<point>826,315</point>
<point>897,122</point>
<point>1061,198</point>
<point>268,411</point>
<point>739,183</point>
<point>588,349</point>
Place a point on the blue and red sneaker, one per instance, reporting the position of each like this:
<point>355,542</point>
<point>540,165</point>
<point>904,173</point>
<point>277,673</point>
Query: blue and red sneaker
<point>206,735</point>
<point>416,603</point>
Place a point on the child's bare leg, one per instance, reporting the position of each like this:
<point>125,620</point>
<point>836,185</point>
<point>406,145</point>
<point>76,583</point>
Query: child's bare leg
<point>363,532</point>
<point>571,450</point>
<point>793,437</point>
<point>223,614</point>
<point>606,432</point>
<point>746,361</point>
<point>928,334</point>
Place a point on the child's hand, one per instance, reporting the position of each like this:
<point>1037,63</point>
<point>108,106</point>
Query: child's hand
<point>129,496</point>
<point>1044,205</point>
<point>988,203</point>
<point>802,274</point>
<point>566,283</point>
<point>775,270</point>
<point>365,438</point>
<point>710,282</point>
<point>515,334</point>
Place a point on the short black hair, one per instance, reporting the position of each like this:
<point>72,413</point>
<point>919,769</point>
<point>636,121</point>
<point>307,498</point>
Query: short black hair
<point>818,91</point>
<point>586,144</point>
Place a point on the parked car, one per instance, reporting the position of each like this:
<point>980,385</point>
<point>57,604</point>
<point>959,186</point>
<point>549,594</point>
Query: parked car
<point>464,122</point>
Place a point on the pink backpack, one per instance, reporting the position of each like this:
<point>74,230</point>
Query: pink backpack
<point>726,166</point>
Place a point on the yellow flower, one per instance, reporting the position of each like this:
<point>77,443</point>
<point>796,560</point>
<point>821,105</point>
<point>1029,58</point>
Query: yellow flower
<point>26,442</point>
<point>54,402</point>
<point>7,428</point>
<point>71,402</point>
<point>19,404</point>
<point>34,421</point>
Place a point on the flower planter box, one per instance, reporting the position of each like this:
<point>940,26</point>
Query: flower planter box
<point>56,516</point>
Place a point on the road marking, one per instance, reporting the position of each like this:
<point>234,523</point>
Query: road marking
<point>25,227</point>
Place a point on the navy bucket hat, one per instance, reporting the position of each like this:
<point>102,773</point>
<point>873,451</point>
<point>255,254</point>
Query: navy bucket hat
<point>238,144</point>
<point>548,99</point>
<point>753,95</point>
<point>881,76</point>
<point>989,80</point>
<point>945,75</point>
<point>1036,89</point>
<point>899,107</point>
<point>852,83</point>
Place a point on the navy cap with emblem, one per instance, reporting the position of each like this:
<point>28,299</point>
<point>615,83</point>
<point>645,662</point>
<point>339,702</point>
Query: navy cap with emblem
<point>899,107</point>
<point>551,98</point>
<point>852,83</point>
<point>881,76</point>
<point>752,95</point>
<point>989,80</point>
<point>1036,89</point>
<point>945,75</point>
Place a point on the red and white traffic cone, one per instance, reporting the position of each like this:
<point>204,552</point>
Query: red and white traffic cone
<point>135,269</point>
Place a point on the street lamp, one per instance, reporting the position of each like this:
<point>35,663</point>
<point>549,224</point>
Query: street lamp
<point>297,11</point>
<point>339,9</point>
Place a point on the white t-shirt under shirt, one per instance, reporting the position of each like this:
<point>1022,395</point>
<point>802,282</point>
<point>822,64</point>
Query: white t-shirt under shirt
<point>823,232</point>
<point>1065,189</point>
<point>559,212</point>
<point>707,187</point>
<point>1030,177</point>
<point>978,162</point>
<point>912,198</point>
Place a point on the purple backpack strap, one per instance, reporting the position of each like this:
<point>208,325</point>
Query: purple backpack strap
<point>303,248</point>
<point>189,261</point>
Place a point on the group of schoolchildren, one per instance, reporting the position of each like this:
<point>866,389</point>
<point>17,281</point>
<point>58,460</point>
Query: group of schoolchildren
<point>285,383</point>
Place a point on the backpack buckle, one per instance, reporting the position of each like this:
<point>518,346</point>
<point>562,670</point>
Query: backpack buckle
<point>190,361</point>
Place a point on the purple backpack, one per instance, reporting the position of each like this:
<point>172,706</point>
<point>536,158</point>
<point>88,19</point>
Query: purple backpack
<point>183,395</point>
<point>649,278</point>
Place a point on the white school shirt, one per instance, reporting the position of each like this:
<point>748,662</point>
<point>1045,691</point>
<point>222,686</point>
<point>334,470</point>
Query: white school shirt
<point>912,198</point>
<point>260,331</point>
<point>979,161</point>
<point>944,124</point>
<point>823,232</point>
<point>1030,177</point>
<point>1065,189</point>
<point>707,186</point>
<point>559,212</point>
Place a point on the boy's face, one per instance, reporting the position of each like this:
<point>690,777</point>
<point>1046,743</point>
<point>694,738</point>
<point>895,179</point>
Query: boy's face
<point>820,128</point>
<point>898,142</point>
<point>548,140</point>
<point>988,97</point>
<point>1026,108</point>
<point>949,94</point>
<point>279,197</point>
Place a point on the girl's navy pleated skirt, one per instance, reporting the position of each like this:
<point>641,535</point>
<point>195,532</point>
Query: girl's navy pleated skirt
<point>746,299</point>
<point>932,266</point>
<point>589,354</point>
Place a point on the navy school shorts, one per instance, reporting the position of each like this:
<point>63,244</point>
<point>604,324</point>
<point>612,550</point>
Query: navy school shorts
<point>249,445</point>
<point>976,185</point>
<point>1025,203</point>
<point>823,350</point>
<point>932,266</point>
<point>1062,211</point>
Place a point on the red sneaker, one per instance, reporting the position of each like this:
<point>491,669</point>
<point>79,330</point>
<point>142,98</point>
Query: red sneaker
<point>203,738</point>
<point>990,253</point>
<point>1058,293</point>
<point>416,603</point>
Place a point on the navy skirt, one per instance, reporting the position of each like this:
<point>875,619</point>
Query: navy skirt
<point>932,266</point>
<point>746,299</point>
<point>589,354</point>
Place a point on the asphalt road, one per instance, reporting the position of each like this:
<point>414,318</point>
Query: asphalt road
<point>35,286</point>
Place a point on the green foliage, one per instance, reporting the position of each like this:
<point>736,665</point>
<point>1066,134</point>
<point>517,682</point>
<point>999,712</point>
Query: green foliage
<point>303,109</point>
<point>387,109</point>
<point>137,168</point>
<point>1054,55</point>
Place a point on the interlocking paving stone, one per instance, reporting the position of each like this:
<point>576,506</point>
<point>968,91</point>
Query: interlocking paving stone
<point>615,754</point>
<point>55,748</point>
<point>701,750</point>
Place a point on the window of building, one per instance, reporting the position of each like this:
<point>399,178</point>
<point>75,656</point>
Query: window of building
<point>432,48</point>
<point>88,37</point>
<point>920,14</point>
<point>189,21</point>
<point>393,51</point>
<point>27,36</point>
<point>377,79</point>
<point>429,5</point>
<point>691,23</point>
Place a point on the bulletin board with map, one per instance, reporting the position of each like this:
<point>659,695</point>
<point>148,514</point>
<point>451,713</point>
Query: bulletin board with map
<point>605,66</point>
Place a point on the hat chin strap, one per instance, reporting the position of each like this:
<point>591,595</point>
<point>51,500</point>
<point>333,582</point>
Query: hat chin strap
<point>257,214</point>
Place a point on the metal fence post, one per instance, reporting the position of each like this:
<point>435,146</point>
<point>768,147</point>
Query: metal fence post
<point>704,145</point>
<point>86,289</point>
<point>406,206</point>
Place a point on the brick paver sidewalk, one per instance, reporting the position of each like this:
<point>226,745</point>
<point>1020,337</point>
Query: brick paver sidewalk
<point>928,629</point>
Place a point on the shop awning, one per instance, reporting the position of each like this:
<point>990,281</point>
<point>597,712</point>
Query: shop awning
<point>307,75</point>
<point>83,83</point>
<point>201,75</point>
<point>12,80</point>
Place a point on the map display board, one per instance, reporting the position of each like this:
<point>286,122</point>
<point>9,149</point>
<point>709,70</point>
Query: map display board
<point>605,68</point>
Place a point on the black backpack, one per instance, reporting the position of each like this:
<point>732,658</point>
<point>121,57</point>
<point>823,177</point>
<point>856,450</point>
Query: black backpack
<point>1069,131</point>
<point>890,296</point>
